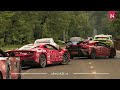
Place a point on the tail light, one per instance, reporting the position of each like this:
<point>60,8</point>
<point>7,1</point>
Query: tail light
<point>24,53</point>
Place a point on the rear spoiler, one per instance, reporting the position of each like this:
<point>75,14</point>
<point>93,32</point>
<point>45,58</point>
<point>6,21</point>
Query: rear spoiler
<point>13,52</point>
<point>18,51</point>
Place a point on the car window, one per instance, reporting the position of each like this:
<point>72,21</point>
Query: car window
<point>50,47</point>
<point>102,38</point>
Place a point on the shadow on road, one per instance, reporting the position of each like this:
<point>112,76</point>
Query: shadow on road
<point>48,66</point>
<point>26,68</point>
<point>98,58</point>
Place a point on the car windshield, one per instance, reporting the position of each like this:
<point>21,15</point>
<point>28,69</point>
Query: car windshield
<point>102,38</point>
<point>42,41</point>
<point>75,39</point>
<point>27,47</point>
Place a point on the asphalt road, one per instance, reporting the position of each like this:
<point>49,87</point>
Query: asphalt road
<point>78,68</point>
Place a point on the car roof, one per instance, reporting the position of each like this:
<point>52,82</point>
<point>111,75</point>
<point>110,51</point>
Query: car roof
<point>45,38</point>
<point>40,44</point>
<point>102,35</point>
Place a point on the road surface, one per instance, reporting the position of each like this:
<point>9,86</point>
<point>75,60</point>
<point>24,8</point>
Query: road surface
<point>78,68</point>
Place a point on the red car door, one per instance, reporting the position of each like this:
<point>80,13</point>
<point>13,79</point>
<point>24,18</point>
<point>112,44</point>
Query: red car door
<point>98,49</point>
<point>104,51</point>
<point>54,53</point>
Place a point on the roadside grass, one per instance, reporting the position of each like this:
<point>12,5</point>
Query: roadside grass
<point>10,47</point>
<point>13,47</point>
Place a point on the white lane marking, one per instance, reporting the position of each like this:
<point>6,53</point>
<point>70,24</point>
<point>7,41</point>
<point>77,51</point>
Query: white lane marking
<point>29,73</point>
<point>94,72</point>
<point>26,72</point>
<point>90,73</point>
<point>59,73</point>
<point>91,67</point>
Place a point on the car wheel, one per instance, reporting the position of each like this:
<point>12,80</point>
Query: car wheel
<point>65,58</point>
<point>42,61</point>
<point>112,53</point>
<point>93,54</point>
<point>19,75</point>
<point>1,77</point>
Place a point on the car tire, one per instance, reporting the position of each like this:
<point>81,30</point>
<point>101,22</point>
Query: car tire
<point>19,75</point>
<point>65,59</point>
<point>1,76</point>
<point>42,61</point>
<point>112,53</point>
<point>93,54</point>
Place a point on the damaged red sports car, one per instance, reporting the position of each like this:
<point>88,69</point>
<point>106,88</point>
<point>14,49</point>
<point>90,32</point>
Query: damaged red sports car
<point>41,54</point>
<point>91,49</point>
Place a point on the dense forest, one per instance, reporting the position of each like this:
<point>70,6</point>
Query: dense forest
<point>22,27</point>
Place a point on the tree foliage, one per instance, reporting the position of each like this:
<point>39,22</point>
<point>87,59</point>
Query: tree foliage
<point>22,27</point>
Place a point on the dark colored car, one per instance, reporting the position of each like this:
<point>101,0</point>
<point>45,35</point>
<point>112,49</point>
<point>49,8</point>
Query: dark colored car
<point>73,47</point>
